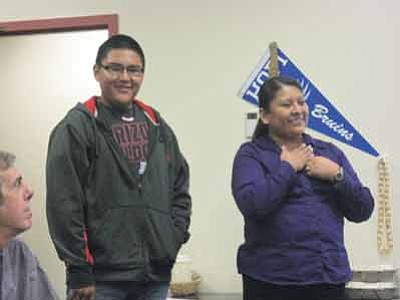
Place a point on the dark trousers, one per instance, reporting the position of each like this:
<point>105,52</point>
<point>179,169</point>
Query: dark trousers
<point>259,290</point>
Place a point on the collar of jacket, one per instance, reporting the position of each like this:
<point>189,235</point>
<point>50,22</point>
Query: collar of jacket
<point>265,142</point>
<point>90,104</point>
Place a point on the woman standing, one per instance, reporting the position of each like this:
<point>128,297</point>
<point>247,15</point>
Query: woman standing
<point>294,192</point>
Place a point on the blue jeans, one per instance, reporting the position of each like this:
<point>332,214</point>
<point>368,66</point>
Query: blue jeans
<point>131,290</point>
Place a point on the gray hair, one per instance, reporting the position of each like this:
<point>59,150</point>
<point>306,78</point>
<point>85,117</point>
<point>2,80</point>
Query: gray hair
<point>6,161</point>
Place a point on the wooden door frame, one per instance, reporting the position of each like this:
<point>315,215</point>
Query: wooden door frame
<point>109,22</point>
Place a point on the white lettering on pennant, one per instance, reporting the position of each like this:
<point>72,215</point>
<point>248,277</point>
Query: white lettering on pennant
<point>282,61</point>
<point>321,112</point>
<point>255,86</point>
<point>253,90</point>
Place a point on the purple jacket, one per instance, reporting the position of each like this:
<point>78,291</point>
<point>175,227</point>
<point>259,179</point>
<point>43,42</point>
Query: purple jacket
<point>294,223</point>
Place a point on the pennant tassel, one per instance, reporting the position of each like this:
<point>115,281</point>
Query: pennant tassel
<point>384,226</point>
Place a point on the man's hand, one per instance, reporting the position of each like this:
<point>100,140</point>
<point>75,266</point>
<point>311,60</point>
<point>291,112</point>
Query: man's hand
<point>322,168</point>
<point>85,293</point>
<point>297,157</point>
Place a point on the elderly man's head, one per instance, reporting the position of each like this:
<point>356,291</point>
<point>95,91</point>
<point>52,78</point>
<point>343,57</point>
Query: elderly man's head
<point>15,197</point>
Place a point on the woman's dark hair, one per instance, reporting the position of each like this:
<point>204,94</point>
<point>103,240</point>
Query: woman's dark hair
<point>267,93</point>
<point>119,41</point>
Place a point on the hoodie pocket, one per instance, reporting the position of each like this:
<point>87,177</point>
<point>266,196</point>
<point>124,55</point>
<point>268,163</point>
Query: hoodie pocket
<point>162,240</point>
<point>118,240</point>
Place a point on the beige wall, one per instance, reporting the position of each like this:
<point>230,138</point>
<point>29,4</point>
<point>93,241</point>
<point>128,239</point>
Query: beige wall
<point>199,53</point>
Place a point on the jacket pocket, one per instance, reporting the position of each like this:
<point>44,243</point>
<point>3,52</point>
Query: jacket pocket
<point>118,240</point>
<point>163,242</point>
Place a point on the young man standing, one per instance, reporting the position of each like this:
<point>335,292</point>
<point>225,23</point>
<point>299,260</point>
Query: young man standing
<point>21,276</point>
<point>118,205</point>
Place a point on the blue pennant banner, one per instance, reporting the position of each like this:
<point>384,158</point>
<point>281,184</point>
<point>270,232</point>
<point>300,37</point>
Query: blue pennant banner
<point>324,117</point>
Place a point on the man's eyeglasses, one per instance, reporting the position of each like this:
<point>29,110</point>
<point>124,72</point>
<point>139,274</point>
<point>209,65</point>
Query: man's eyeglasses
<point>116,70</point>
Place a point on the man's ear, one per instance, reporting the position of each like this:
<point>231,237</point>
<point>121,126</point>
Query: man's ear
<point>264,116</point>
<point>96,70</point>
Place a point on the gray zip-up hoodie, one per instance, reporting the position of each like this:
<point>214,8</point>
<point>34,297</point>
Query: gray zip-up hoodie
<point>107,222</point>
